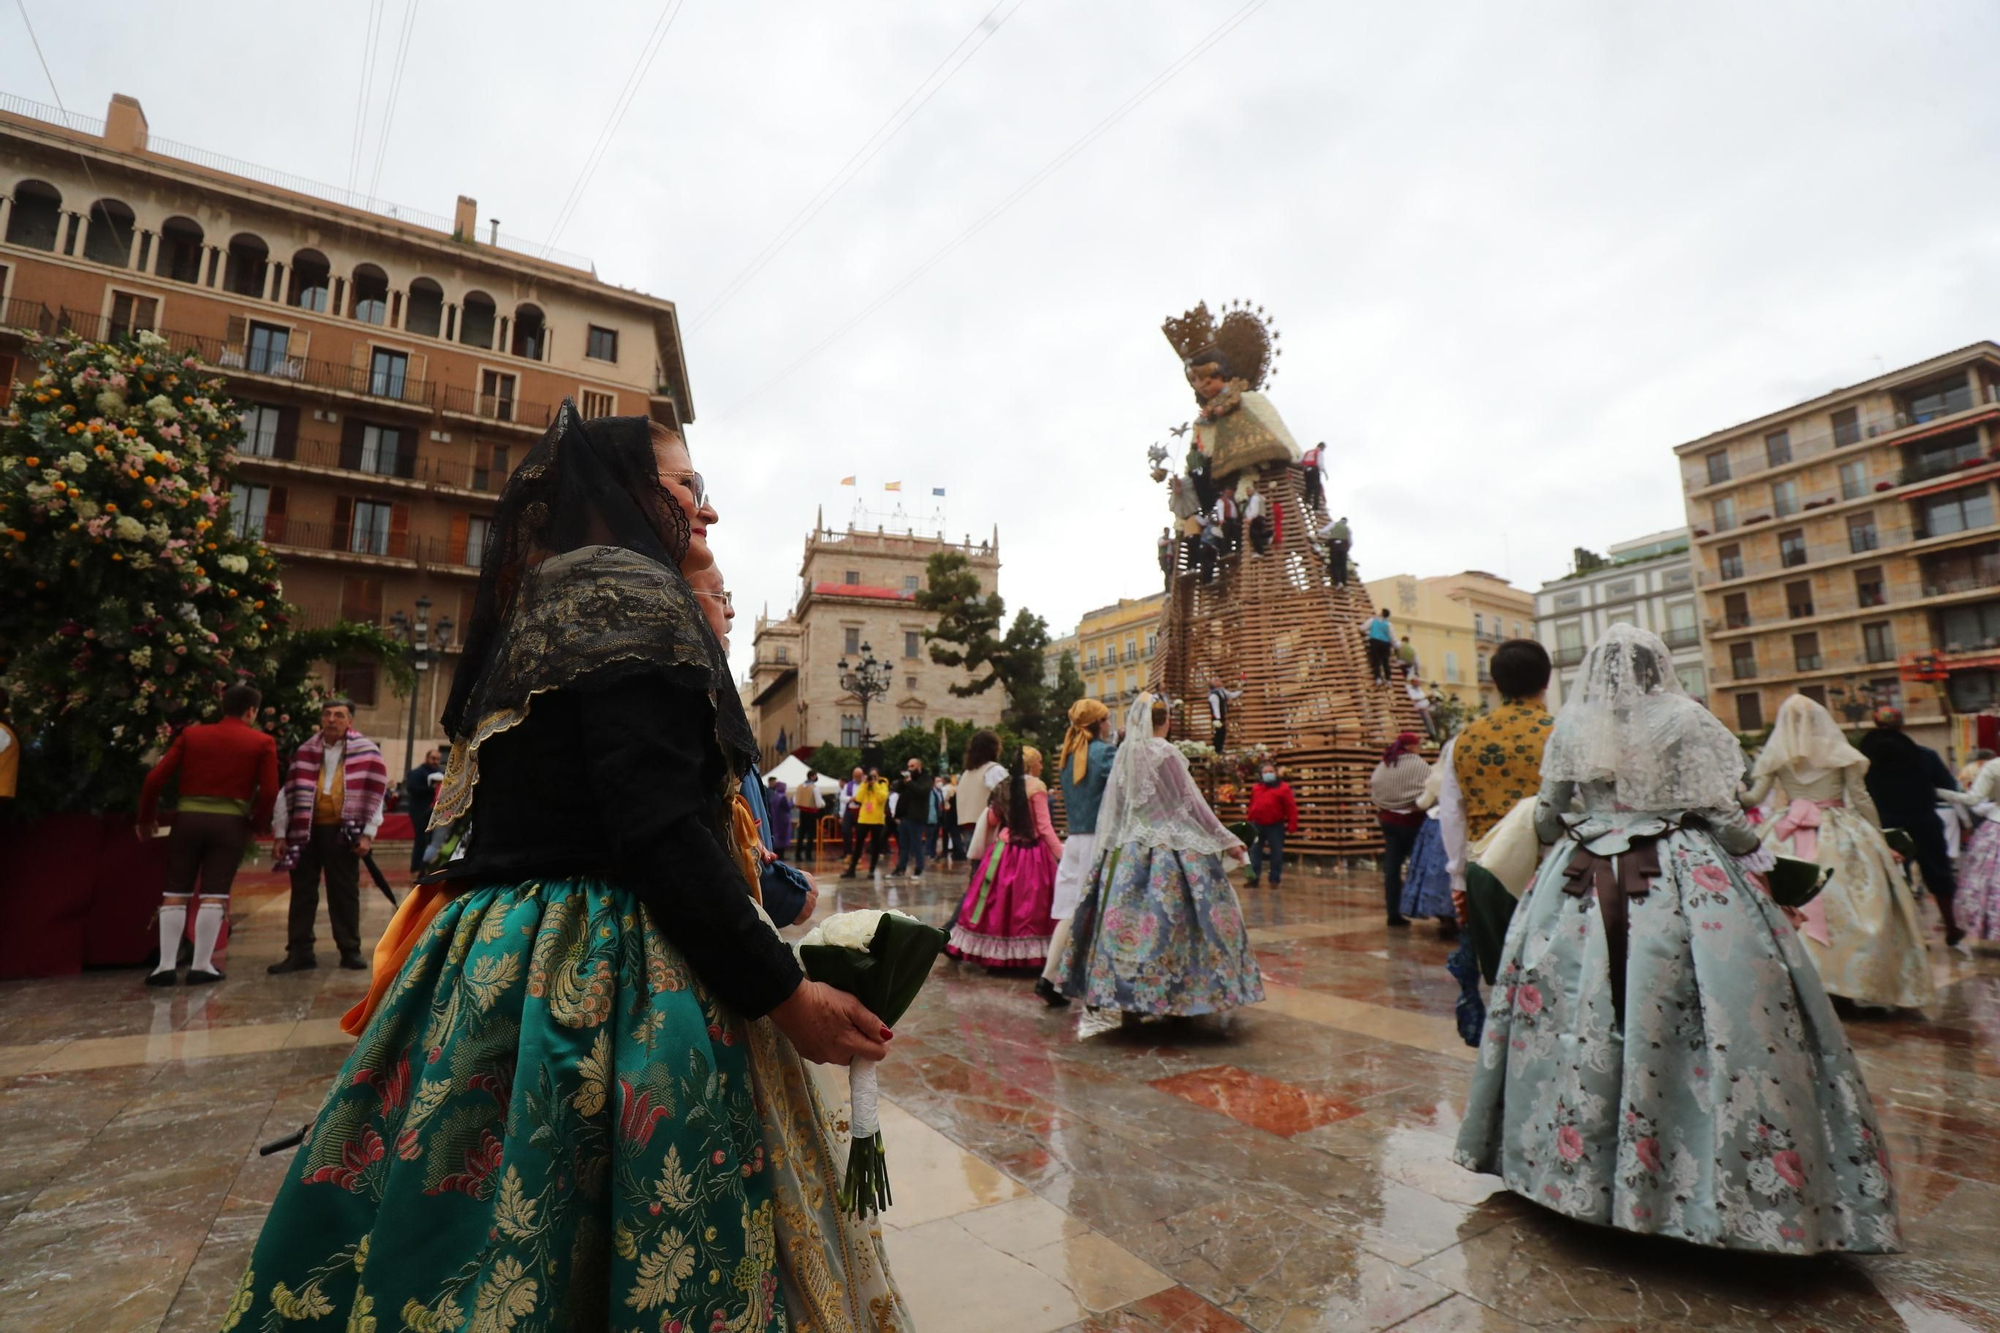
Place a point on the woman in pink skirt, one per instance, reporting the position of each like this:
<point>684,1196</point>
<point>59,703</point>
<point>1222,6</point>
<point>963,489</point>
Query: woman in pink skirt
<point>1004,919</point>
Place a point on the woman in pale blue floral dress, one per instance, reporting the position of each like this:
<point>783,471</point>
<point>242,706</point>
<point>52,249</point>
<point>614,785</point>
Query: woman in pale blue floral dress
<point>1159,931</point>
<point>1735,1115</point>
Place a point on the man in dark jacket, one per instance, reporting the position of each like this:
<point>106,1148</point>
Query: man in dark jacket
<point>1903,780</point>
<point>420,787</point>
<point>916,810</point>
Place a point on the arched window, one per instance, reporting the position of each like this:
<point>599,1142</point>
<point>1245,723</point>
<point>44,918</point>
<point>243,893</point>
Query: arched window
<point>371,295</point>
<point>180,250</point>
<point>312,279</point>
<point>37,216</point>
<point>475,320</point>
<point>530,339</point>
<point>249,266</point>
<point>109,240</point>
<point>426,310</point>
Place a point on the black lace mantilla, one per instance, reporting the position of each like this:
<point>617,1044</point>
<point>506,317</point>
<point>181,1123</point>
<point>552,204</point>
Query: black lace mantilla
<point>597,613</point>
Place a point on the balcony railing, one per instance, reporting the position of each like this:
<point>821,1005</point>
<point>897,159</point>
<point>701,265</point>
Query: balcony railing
<point>1803,448</point>
<point>1916,472</point>
<point>1939,586</point>
<point>409,465</point>
<point>443,552</point>
<point>31,316</point>
<point>1742,669</point>
<point>240,359</point>
<point>1565,657</point>
<point>1807,662</point>
<point>280,530</point>
<point>1681,636</point>
<point>1736,620</point>
<point>1862,539</point>
<point>498,407</point>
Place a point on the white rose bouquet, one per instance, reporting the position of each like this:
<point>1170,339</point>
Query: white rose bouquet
<point>882,958</point>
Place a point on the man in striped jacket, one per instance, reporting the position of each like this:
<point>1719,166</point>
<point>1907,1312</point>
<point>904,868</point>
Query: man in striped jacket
<point>333,805</point>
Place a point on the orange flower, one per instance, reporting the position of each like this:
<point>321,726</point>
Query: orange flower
<point>32,462</point>
<point>145,504</point>
<point>111,509</point>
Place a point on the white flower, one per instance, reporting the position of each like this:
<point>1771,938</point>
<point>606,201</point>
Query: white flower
<point>148,338</point>
<point>142,657</point>
<point>111,403</point>
<point>235,564</point>
<point>850,930</point>
<point>85,509</point>
<point>128,529</point>
<point>76,462</point>
<point>162,407</point>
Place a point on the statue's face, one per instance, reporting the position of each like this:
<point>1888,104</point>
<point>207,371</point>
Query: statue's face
<point>1206,386</point>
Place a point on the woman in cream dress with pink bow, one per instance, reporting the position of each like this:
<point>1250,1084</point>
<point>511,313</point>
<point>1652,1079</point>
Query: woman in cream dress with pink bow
<point>1862,931</point>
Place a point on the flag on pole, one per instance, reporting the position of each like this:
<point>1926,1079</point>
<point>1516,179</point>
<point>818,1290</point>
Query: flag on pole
<point>937,490</point>
<point>892,485</point>
<point>847,481</point>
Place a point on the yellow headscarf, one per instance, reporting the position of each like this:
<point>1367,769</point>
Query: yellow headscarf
<point>1084,715</point>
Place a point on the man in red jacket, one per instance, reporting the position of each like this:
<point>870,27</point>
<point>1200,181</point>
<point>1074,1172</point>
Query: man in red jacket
<point>229,780</point>
<point>1273,814</point>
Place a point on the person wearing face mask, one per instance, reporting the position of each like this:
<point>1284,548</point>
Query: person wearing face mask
<point>1274,813</point>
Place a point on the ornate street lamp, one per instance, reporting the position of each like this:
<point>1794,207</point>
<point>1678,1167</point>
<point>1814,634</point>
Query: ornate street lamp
<point>867,681</point>
<point>417,640</point>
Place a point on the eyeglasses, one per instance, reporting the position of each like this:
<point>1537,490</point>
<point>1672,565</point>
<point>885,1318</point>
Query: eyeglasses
<point>725,596</point>
<point>695,483</point>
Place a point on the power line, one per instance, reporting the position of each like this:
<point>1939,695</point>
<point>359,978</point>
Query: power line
<point>395,90</point>
<point>1019,193</point>
<point>54,92</point>
<point>875,143</point>
<point>647,54</point>
<point>370,38</point>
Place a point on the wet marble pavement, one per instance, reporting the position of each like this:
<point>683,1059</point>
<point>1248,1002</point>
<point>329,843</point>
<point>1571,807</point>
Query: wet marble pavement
<point>1286,1169</point>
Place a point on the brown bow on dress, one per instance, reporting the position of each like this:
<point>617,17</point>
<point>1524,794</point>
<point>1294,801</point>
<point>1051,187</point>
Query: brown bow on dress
<point>1631,877</point>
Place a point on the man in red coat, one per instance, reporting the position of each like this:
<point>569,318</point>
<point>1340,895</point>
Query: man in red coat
<point>1273,814</point>
<point>229,780</point>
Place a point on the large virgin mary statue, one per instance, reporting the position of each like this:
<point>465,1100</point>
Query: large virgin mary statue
<point>1227,365</point>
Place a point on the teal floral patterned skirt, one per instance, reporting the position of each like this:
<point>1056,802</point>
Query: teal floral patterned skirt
<point>1726,1109</point>
<point>547,1124</point>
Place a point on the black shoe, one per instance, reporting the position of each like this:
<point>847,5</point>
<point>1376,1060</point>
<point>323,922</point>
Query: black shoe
<point>1399,920</point>
<point>848,873</point>
<point>199,976</point>
<point>1052,997</point>
<point>166,976</point>
<point>290,964</point>
<point>1952,937</point>
<point>353,962</point>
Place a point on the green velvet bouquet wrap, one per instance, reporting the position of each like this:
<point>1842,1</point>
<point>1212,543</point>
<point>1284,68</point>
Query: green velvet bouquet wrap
<point>881,958</point>
<point>1794,883</point>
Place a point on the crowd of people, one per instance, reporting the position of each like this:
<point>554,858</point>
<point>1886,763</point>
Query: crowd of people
<point>608,866</point>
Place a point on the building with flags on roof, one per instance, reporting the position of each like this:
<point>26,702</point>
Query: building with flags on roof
<point>859,587</point>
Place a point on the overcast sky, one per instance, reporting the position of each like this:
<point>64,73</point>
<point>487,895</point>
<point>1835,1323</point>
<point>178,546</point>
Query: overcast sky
<point>1516,252</point>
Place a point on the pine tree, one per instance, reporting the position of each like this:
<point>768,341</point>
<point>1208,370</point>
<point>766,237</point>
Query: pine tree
<point>130,604</point>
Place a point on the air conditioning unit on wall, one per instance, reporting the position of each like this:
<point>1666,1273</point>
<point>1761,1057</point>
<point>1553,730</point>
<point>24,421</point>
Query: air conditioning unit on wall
<point>440,437</point>
<point>323,414</point>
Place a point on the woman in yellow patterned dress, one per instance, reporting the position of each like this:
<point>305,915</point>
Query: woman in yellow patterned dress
<point>552,1118</point>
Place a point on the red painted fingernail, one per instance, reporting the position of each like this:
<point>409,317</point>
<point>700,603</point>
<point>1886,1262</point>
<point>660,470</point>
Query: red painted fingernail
<point>886,1034</point>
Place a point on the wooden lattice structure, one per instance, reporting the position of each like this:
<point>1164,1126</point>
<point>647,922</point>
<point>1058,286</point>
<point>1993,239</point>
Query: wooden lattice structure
<point>1277,621</point>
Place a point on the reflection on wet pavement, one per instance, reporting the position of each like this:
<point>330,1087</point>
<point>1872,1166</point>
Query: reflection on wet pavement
<point>1285,1168</point>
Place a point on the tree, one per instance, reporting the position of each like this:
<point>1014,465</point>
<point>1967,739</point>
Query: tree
<point>968,635</point>
<point>1069,687</point>
<point>1586,561</point>
<point>131,605</point>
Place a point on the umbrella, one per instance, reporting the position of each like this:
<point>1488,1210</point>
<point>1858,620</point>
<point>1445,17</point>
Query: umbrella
<point>381,880</point>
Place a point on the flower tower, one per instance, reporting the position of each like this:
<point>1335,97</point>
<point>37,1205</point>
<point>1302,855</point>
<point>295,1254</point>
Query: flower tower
<point>127,603</point>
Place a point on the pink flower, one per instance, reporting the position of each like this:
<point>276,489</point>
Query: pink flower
<point>1553,1191</point>
<point>1788,1165</point>
<point>1713,878</point>
<point>1569,1143</point>
<point>1528,1000</point>
<point>1649,1153</point>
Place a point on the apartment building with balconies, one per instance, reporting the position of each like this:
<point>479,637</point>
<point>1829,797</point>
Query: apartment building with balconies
<point>1837,540</point>
<point>392,366</point>
<point>1647,581</point>
<point>1115,645</point>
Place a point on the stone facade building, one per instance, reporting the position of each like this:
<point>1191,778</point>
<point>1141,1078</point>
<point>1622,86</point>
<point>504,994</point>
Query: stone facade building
<point>1846,547</point>
<point>1493,609</point>
<point>857,593</point>
<point>391,366</point>
<point>1648,582</point>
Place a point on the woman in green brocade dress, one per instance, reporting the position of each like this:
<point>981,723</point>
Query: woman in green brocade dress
<point>564,1110</point>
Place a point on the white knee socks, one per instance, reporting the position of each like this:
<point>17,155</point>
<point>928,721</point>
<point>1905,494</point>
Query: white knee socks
<point>208,919</point>
<point>173,922</point>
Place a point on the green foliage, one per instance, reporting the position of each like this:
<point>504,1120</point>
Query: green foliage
<point>1451,714</point>
<point>838,761</point>
<point>1585,562</point>
<point>129,605</point>
<point>293,697</point>
<point>1069,687</point>
<point>968,635</point>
